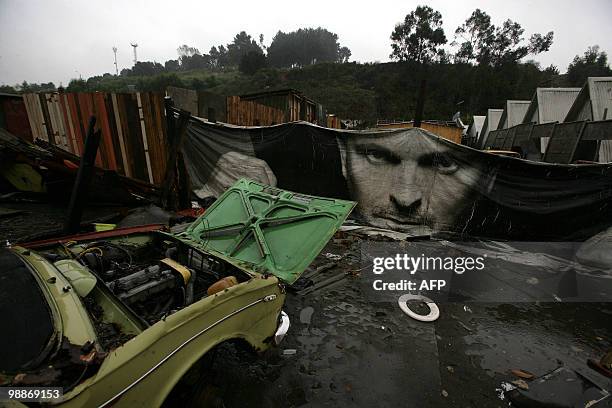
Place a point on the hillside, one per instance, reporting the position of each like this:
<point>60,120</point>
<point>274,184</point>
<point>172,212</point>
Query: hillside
<point>360,91</point>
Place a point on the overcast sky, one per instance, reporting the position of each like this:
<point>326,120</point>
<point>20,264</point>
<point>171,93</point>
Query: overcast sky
<point>56,40</point>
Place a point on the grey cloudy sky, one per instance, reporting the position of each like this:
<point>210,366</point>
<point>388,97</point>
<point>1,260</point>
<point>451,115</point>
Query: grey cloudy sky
<point>43,41</point>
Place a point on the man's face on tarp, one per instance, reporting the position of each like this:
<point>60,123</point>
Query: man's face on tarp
<point>407,178</point>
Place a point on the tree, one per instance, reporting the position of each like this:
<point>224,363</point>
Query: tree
<point>77,85</point>
<point>476,32</point>
<point>146,68</point>
<point>482,42</point>
<point>25,87</point>
<point>240,46</point>
<point>218,57</point>
<point>252,62</point>
<point>7,89</point>
<point>159,83</point>
<point>196,61</point>
<point>306,46</point>
<point>187,51</point>
<point>344,54</point>
<point>592,63</point>
<point>419,37</point>
<point>172,65</point>
<point>191,58</point>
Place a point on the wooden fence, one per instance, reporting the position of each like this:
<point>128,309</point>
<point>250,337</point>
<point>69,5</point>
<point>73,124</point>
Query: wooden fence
<point>133,128</point>
<point>249,113</point>
<point>449,132</point>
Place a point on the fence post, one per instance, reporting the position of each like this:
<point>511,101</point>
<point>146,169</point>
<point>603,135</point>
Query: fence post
<point>80,190</point>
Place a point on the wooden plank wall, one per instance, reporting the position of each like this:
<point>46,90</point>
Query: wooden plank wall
<point>14,116</point>
<point>333,122</point>
<point>133,128</point>
<point>249,113</point>
<point>451,133</point>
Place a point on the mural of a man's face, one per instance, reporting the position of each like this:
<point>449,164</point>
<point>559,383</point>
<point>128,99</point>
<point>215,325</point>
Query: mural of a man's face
<point>406,178</point>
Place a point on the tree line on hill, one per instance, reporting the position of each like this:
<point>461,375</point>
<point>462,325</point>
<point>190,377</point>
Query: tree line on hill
<point>486,67</point>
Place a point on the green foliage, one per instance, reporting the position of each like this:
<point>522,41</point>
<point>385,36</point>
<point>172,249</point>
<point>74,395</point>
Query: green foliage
<point>419,37</point>
<point>242,45</point>
<point>146,68</point>
<point>77,85</point>
<point>359,91</point>
<point>252,62</point>
<point>159,83</point>
<point>593,63</point>
<point>306,46</point>
<point>25,87</point>
<point>172,65</point>
<point>482,42</point>
<point>7,89</point>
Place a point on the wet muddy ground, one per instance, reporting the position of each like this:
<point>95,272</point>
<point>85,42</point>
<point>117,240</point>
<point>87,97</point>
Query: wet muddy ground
<point>33,221</point>
<point>343,350</point>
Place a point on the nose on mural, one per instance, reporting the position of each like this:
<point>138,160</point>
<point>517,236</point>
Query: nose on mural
<point>407,199</point>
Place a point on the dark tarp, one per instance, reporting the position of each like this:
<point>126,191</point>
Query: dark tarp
<point>405,177</point>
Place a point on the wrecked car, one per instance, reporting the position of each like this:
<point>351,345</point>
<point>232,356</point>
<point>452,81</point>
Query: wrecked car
<point>118,319</point>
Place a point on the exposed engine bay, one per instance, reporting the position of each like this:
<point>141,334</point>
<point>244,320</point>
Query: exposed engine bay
<point>151,274</point>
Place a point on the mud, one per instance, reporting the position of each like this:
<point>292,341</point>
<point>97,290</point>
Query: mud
<point>352,352</point>
<point>41,220</point>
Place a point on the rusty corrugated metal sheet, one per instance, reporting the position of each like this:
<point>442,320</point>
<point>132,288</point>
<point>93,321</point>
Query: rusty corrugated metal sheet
<point>132,126</point>
<point>120,138</point>
<point>35,116</point>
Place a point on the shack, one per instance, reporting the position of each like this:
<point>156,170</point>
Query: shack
<point>203,104</point>
<point>513,114</point>
<point>294,105</point>
<point>594,103</point>
<point>491,123</point>
<point>473,131</point>
<point>550,105</point>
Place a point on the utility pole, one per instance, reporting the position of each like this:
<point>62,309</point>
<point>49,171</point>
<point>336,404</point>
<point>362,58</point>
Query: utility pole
<point>116,69</point>
<point>135,45</point>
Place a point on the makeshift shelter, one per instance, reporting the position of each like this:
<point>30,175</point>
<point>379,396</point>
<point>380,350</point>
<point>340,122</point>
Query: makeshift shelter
<point>513,114</point>
<point>473,131</point>
<point>594,103</point>
<point>292,103</point>
<point>550,105</point>
<point>491,122</point>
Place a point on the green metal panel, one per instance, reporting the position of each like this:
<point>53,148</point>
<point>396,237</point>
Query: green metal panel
<point>267,230</point>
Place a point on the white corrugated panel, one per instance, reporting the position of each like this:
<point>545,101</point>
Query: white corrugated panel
<point>491,122</point>
<point>476,126</point>
<point>601,101</point>
<point>515,112</point>
<point>601,97</point>
<point>554,103</point>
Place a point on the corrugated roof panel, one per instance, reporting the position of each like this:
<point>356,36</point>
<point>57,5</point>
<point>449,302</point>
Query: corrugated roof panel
<point>601,97</point>
<point>491,122</point>
<point>515,112</point>
<point>554,103</point>
<point>476,126</point>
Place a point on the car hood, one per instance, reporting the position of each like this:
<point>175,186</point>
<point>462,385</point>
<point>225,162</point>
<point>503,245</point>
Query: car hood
<point>264,229</point>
